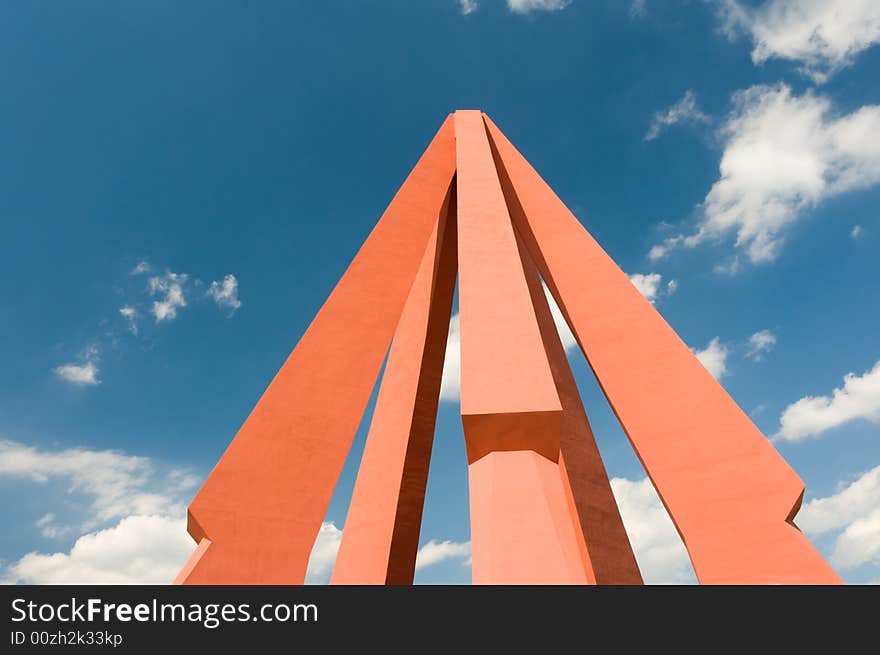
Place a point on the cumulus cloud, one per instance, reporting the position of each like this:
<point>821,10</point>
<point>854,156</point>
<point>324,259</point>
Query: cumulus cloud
<point>148,542</point>
<point>527,6</point>
<point>450,384</point>
<point>169,288</point>
<point>137,550</point>
<point>714,358</point>
<point>783,154</point>
<point>468,6</point>
<point>854,515</point>
<point>811,416</point>
<point>323,555</point>
<point>650,285</point>
<point>823,36</point>
<point>435,552</point>
<point>760,343</point>
<point>82,373</point>
<point>225,293</point>
<point>685,111</point>
<point>659,551</point>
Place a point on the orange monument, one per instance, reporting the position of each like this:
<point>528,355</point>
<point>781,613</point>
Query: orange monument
<point>541,506</point>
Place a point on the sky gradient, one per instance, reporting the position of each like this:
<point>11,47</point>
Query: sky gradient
<point>183,183</point>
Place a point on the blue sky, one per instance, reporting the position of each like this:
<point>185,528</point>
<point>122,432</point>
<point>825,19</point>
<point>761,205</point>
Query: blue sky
<point>152,150</point>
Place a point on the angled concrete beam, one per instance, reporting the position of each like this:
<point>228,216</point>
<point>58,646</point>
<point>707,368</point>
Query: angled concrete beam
<point>262,506</point>
<point>731,496</point>
<point>380,538</point>
<point>602,539</point>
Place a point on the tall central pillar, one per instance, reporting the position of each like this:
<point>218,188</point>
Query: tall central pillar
<point>521,528</point>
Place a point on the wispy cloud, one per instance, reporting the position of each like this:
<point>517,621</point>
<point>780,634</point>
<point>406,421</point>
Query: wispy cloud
<point>685,111</point>
<point>528,6</point>
<point>638,9</point>
<point>116,484</point>
<point>130,315</point>
<point>760,343</point>
<point>141,267</point>
<point>49,528</point>
<point>812,416</point>
<point>468,6</point>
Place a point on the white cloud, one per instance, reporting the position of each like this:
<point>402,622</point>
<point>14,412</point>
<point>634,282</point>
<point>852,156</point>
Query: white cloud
<point>661,250</point>
<point>468,6</point>
<point>684,111</point>
<point>823,36</point>
<point>326,548</point>
<point>637,9</point>
<point>858,399</point>
<point>450,384</point>
<point>86,373</point>
<point>659,551</point>
<point>83,373</point>
<point>142,266</point>
<point>225,293</point>
<point>49,528</point>
<point>760,343</point>
<point>137,550</point>
<point>853,512</point>
<point>650,285</point>
<point>130,315</point>
<point>147,544</point>
<point>714,358</point>
<point>117,484</point>
<point>170,289</point>
<point>856,232</point>
<point>323,555</point>
<point>783,155</point>
<point>859,543</point>
<point>527,6</point>
<point>566,336</point>
<point>435,552</point>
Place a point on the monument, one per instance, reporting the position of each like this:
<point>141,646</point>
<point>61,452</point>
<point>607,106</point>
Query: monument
<point>541,507</point>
